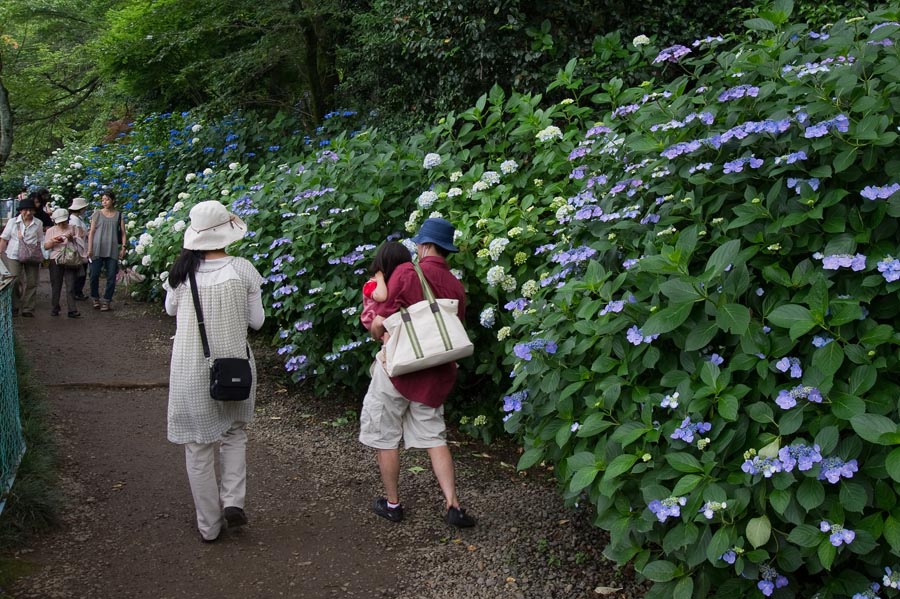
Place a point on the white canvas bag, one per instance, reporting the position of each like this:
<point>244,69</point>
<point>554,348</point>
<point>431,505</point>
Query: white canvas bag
<point>425,334</point>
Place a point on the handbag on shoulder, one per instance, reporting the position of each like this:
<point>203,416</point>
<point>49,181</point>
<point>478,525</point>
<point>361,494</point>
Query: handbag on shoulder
<point>425,334</point>
<point>230,379</point>
<point>29,253</point>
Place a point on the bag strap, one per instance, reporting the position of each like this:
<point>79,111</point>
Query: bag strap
<point>200,324</point>
<point>199,312</point>
<point>435,309</point>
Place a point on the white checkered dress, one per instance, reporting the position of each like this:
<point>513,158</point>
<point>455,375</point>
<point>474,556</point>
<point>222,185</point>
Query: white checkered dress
<point>194,417</point>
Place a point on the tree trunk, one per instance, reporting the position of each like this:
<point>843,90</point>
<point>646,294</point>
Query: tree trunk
<point>314,80</point>
<point>6,126</point>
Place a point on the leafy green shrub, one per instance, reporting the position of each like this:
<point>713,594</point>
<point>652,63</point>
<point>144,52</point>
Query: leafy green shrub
<point>710,363</point>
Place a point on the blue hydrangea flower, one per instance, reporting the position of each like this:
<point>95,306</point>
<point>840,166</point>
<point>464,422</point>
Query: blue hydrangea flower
<point>788,399</point>
<point>788,363</point>
<point>889,269</point>
<point>685,432</point>
<point>802,456</point>
<point>834,468</point>
<point>771,580</point>
<point>760,465</point>
<point>729,556</point>
<point>523,350</point>
<point>716,359</point>
<point>513,402</point>
<point>821,340</point>
<point>670,506</point>
<point>636,337</point>
<point>838,535</point>
<point>672,54</point>
<point>871,192</point>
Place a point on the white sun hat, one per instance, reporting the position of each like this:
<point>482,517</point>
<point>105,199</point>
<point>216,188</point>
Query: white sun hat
<point>212,227</point>
<point>60,215</point>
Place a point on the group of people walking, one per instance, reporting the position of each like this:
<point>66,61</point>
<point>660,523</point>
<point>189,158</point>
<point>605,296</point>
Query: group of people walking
<point>72,250</point>
<point>228,301</point>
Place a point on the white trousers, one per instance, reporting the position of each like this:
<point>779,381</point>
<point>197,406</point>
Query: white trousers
<point>211,497</point>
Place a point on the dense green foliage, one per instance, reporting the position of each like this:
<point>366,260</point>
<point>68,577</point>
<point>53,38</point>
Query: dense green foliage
<point>687,291</point>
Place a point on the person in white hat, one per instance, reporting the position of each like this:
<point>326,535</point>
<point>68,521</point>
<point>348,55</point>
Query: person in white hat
<point>63,237</point>
<point>231,300</point>
<point>75,212</point>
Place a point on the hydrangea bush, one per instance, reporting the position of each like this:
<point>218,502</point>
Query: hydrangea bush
<point>723,317</point>
<point>684,294</point>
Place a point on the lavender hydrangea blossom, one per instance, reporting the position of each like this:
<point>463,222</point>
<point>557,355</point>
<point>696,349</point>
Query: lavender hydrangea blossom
<point>788,399</point>
<point>670,506</point>
<point>889,269</point>
<point>761,465</point>
<point>838,535</point>
<point>801,456</point>
<point>834,468</point>
<point>685,432</point>
<point>788,363</point>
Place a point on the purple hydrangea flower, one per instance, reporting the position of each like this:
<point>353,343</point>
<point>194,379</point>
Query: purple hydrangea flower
<point>838,535</point>
<point>760,465</point>
<point>716,359</point>
<point>729,556</point>
<point>788,399</point>
<point>736,93</point>
<point>821,340</point>
<point>686,431</point>
<point>523,350</point>
<point>889,269</point>
<point>613,306</point>
<point>513,402</point>
<point>636,337</point>
<point>802,456</point>
<point>835,261</point>
<point>672,54</point>
<point>871,192</point>
<point>834,468</point>
<point>671,506</point>
<point>771,580</point>
<point>788,363</point>
<point>839,123</point>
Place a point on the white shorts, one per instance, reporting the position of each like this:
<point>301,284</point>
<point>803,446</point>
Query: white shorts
<point>387,416</point>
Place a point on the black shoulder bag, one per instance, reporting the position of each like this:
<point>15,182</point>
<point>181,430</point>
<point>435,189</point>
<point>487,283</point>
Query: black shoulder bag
<point>230,379</point>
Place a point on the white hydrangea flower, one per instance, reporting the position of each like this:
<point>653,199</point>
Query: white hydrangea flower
<point>139,249</point>
<point>195,140</point>
<point>130,225</point>
<point>488,317</point>
<point>562,214</point>
<point>226,192</point>
<point>509,284</point>
<point>190,177</point>
<point>163,276</point>
<point>145,239</point>
<point>495,275</point>
<point>549,133</point>
<point>455,176</point>
<point>233,166</point>
<point>479,186</point>
<point>641,40</point>
<point>178,206</point>
<point>453,192</point>
<point>183,195</point>
<point>146,260</point>
<point>436,214</point>
<point>431,160</point>
<point>503,333</point>
<point>412,221</point>
<point>529,288</point>
<point>490,177</point>
<point>179,226</point>
<point>508,167</point>
<point>196,128</point>
<point>496,247</point>
<point>426,199</point>
<point>207,172</point>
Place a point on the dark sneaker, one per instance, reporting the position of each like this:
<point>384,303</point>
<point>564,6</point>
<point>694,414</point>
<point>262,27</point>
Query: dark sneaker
<point>458,517</point>
<point>75,314</point>
<point>381,508</point>
<point>235,516</point>
<point>81,298</point>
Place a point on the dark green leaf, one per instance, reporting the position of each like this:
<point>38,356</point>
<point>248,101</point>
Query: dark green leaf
<point>871,426</point>
<point>659,571</point>
<point>810,494</point>
<point>733,318</point>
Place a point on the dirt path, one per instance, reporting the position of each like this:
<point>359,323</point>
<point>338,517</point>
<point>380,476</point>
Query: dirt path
<point>128,528</point>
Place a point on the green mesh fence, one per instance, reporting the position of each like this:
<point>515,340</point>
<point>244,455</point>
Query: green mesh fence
<point>12,443</point>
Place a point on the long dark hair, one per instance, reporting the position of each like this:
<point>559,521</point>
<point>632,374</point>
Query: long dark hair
<point>389,256</point>
<point>187,262</point>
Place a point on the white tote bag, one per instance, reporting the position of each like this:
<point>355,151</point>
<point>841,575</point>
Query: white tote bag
<point>425,334</point>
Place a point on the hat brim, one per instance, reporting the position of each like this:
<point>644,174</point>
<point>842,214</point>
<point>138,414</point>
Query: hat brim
<point>215,238</point>
<point>420,238</point>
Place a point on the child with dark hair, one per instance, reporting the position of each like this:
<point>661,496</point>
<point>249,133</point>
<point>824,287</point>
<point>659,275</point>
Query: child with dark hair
<point>389,256</point>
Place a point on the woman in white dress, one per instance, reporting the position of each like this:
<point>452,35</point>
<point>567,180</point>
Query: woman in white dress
<point>230,298</point>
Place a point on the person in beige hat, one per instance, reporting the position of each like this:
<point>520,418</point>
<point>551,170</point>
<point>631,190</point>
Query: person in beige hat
<point>63,237</point>
<point>75,211</point>
<point>231,300</point>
